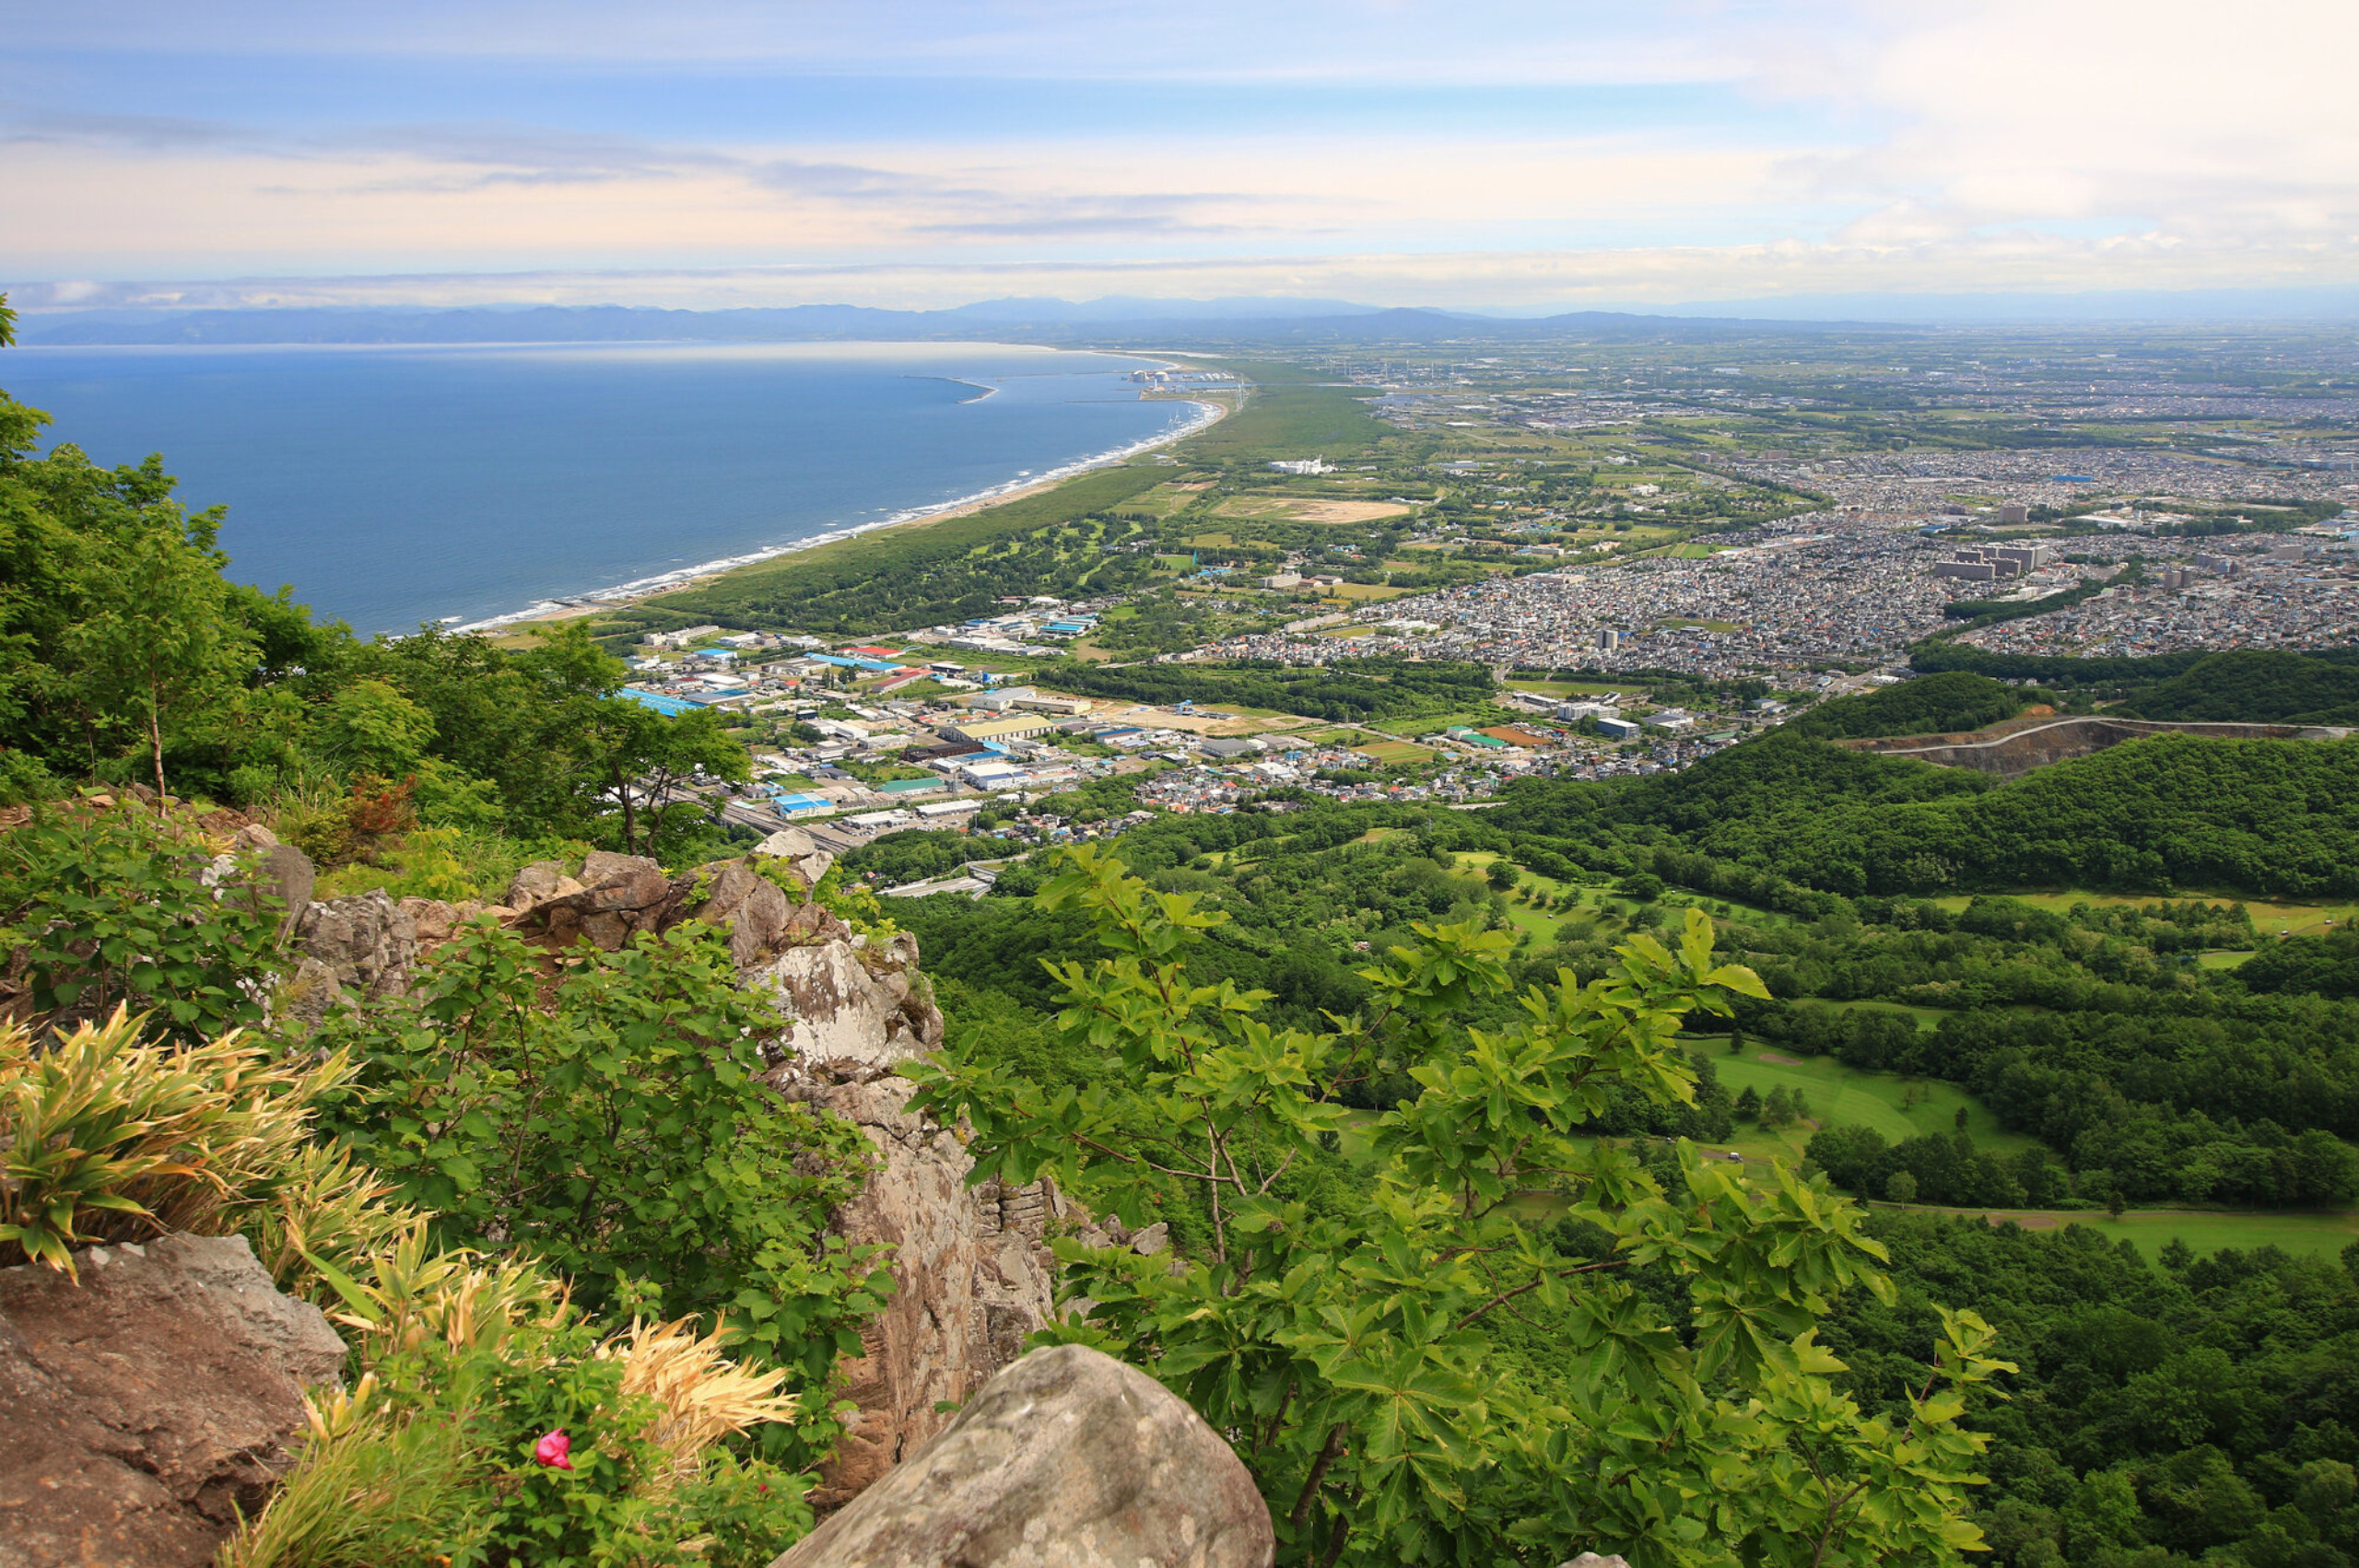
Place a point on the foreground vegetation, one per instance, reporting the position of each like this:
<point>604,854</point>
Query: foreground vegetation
<point>1409,1085</point>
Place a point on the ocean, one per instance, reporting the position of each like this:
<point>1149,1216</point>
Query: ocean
<point>393,487</point>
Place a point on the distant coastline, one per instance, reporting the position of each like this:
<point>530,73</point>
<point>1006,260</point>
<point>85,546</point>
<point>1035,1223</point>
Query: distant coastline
<point>982,389</point>
<point>574,605</point>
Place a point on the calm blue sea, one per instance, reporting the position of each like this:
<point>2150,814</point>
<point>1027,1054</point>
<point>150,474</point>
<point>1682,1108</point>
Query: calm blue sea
<point>393,487</point>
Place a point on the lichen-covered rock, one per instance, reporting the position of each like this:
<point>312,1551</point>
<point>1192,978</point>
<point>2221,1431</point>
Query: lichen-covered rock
<point>800,851</point>
<point>364,947</point>
<point>972,1275</point>
<point>141,1407</point>
<point>850,1001</point>
<point>1068,1459</point>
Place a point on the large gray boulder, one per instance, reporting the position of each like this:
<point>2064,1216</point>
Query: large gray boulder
<point>143,1407</point>
<point>1068,1459</point>
<point>733,895</point>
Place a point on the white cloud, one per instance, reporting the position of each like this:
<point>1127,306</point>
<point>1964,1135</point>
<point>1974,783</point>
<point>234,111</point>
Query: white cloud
<point>1974,143</point>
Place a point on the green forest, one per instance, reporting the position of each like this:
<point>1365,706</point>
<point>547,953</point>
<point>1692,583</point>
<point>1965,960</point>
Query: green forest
<point>1955,699</point>
<point>2161,1408</point>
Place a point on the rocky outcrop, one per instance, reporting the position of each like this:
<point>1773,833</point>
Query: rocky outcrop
<point>364,948</point>
<point>1069,1459</point>
<point>800,851</point>
<point>973,1276</point>
<point>616,896</point>
<point>852,999</point>
<point>142,1405</point>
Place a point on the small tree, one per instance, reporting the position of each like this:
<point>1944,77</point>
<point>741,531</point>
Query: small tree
<point>1748,1104</point>
<point>1502,876</point>
<point>643,757</point>
<point>1643,887</point>
<point>1900,1186</point>
<point>153,645</point>
<point>2116,1204</point>
<point>1347,1354</point>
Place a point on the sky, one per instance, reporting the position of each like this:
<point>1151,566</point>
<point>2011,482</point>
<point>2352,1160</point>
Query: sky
<point>1518,155</point>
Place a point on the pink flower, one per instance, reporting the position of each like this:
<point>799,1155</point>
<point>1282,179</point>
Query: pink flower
<point>552,1449</point>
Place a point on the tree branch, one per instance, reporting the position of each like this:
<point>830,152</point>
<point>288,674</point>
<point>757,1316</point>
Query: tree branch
<point>1533,1284</point>
<point>1327,1457</point>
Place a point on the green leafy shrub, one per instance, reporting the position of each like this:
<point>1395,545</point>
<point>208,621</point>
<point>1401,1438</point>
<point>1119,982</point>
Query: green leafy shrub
<point>1351,1353</point>
<point>611,1121</point>
<point>108,908</point>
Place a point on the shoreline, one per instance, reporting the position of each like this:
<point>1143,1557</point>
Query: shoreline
<point>623,595</point>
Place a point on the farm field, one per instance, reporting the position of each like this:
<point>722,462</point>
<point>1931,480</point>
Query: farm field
<point>1895,1106</point>
<point>2319,1233</point>
<point>1564,688</point>
<point>1385,753</point>
<point>1311,509</point>
<point>2269,919</point>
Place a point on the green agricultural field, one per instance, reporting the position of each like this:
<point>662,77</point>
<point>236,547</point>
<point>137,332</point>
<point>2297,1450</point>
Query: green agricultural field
<point>1895,1106</point>
<point>1289,411</point>
<point>1564,688</point>
<point>2310,1233</point>
<point>1385,753</point>
<point>2269,919</point>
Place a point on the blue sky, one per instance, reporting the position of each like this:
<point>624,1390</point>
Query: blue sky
<point>1482,153</point>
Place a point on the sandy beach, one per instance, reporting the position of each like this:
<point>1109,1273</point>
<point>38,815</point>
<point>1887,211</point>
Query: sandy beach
<point>1209,414</point>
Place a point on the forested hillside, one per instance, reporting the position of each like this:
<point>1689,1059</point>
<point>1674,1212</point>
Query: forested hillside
<point>1953,701</point>
<point>2254,685</point>
<point>2254,816</point>
<point>2162,1408</point>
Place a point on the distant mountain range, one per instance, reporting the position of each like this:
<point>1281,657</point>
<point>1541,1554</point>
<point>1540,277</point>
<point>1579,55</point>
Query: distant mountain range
<point>1112,321</point>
